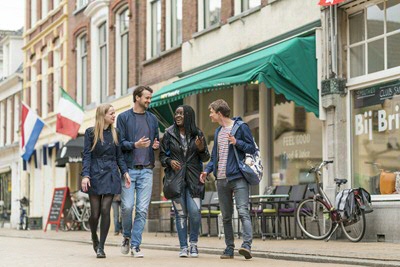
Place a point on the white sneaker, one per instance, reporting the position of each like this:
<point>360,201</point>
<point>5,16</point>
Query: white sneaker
<point>184,253</point>
<point>194,252</point>
<point>125,245</point>
<point>135,252</point>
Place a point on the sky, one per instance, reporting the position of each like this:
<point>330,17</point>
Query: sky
<point>12,14</point>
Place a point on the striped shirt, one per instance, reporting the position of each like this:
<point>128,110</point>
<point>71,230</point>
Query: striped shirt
<point>223,144</point>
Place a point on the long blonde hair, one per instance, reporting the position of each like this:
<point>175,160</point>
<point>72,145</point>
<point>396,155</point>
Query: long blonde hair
<point>101,112</point>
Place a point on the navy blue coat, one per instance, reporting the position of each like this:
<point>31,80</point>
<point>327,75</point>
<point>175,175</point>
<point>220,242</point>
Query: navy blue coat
<point>101,164</point>
<point>244,144</point>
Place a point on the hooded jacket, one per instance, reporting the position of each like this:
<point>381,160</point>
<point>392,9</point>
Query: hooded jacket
<point>171,148</point>
<point>244,144</point>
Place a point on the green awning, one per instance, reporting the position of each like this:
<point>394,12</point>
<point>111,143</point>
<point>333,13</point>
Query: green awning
<point>290,68</point>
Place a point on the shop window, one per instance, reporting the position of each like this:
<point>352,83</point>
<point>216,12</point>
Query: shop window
<point>374,33</point>
<point>252,103</point>
<point>297,142</point>
<point>375,133</point>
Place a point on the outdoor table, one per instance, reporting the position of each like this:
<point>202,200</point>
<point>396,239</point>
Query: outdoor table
<point>271,196</point>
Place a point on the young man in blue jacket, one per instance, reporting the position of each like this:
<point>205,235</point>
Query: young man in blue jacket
<point>138,131</point>
<point>230,181</point>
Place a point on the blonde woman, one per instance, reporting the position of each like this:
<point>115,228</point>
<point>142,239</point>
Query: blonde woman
<point>101,179</point>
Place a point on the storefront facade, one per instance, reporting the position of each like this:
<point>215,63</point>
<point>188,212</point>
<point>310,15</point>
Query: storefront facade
<point>282,115</point>
<point>362,108</point>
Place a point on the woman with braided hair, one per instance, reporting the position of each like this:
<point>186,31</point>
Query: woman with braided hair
<point>183,151</point>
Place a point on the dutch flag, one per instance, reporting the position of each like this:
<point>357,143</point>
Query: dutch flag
<point>31,127</point>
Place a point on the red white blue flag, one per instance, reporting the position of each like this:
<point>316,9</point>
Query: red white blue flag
<point>31,127</point>
<point>329,2</point>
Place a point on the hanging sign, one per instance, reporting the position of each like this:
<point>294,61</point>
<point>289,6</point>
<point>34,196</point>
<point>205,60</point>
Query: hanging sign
<point>329,2</point>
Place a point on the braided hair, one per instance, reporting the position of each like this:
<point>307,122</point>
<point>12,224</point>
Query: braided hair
<point>189,121</point>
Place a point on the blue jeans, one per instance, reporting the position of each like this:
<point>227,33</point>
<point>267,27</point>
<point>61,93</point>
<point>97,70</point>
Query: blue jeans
<point>240,189</point>
<point>140,190</point>
<point>117,222</point>
<point>184,206</point>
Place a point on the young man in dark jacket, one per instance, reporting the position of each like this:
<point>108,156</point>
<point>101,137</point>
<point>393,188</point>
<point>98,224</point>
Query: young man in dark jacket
<point>230,180</point>
<point>139,137</point>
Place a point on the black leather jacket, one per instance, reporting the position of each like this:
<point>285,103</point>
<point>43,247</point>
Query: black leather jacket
<point>191,165</point>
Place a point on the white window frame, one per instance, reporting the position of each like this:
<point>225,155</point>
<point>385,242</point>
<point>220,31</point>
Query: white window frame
<point>9,121</point>
<point>103,66</point>
<point>81,70</point>
<point>202,22</point>
<point>366,78</point>
<point>238,6</point>
<point>122,76</point>
<point>45,79</point>
<point>2,123</point>
<point>171,25</point>
<point>33,105</point>
<point>45,8</point>
<point>155,49</point>
<point>16,117</point>
<point>81,3</point>
<point>56,73</point>
<point>56,3</point>
<point>33,13</point>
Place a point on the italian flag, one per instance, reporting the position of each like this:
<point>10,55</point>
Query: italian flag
<point>70,115</point>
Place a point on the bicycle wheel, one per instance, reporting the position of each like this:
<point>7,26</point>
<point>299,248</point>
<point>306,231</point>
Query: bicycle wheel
<point>67,222</point>
<point>85,220</point>
<point>314,219</point>
<point>354,229</point>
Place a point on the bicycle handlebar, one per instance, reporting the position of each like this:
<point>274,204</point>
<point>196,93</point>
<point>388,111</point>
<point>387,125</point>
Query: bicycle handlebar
<point>316,168</point>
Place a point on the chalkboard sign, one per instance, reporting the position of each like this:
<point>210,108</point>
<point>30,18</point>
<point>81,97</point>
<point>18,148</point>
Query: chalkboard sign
<point>57,206</point>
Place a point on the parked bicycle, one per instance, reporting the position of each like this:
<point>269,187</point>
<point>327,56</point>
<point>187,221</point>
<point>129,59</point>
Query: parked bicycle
<point>23,214</point>
<point>77,215</point>
<point>319,219</point>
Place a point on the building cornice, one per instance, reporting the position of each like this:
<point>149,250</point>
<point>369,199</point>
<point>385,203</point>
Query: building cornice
<point>52,27</point>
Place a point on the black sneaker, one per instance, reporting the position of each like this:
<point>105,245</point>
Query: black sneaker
<point>125,245</point>
<point>227,254</point>
<point>245,251</point>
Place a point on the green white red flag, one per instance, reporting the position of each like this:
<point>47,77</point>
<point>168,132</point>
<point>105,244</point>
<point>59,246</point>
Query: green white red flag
<point>329,2</point>
<point>69,116</point>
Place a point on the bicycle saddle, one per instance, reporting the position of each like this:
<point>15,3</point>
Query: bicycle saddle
<point>340,181</point>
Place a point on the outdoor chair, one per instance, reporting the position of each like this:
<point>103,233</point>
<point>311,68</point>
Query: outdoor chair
<point>270,212</point>
<point>287,208</point>
<point>210,210</point>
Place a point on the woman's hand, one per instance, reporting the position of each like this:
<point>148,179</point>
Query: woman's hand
<point>127,180</point>
<point>199,143</point>
<point>203,177</point>
<point>85,184</point>
<point>176,166</point>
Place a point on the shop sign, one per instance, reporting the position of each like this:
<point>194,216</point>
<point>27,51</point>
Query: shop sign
<point>371,97</point>
<point>329,2</point>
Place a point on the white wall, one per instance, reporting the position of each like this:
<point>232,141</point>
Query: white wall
<point>271,21</point>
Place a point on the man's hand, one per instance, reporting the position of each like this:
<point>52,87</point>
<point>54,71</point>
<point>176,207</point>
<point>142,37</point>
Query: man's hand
<point>203,177</point>
<point>176,166</point>
<point>142,142</point>
<point>127,180</point>
<point>199,143</point>
<point>231,139</point>
<point>156,144</point>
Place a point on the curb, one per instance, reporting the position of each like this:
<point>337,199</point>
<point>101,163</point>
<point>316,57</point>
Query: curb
<point>257,254</point>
